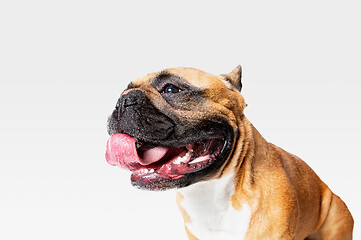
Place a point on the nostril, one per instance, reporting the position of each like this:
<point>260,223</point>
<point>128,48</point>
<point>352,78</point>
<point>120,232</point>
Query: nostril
<point>123,103</point>
<point>132,98</point>
<point>127,102</point>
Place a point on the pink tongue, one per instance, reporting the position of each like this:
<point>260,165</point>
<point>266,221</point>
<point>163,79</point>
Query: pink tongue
<point>121,151</point>
<point>153,155</point>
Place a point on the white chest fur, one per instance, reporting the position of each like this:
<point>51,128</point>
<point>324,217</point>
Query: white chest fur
<point>209,206</point>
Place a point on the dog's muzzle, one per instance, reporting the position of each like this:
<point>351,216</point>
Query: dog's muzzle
<point>135,115</point>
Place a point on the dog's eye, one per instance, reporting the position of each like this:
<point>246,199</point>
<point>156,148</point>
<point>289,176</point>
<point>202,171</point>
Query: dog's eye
<point>171,89</point>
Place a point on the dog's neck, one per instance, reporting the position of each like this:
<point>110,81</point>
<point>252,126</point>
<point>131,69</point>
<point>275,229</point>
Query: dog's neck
<point>208,212</point>
<point>211,209</point>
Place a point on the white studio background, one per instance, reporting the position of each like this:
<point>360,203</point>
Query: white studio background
<point>63,65</point>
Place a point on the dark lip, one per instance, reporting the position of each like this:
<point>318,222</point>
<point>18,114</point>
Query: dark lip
<point>139,142</point>
<point>215,134</point>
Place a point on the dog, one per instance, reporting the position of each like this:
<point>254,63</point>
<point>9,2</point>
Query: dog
<point>185,129</point>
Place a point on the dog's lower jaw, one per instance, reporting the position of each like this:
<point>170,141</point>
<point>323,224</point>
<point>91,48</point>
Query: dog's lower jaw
<point>208,212</point>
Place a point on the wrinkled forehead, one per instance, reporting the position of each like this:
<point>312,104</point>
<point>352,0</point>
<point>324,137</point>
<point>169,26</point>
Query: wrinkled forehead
<point>192,76</point>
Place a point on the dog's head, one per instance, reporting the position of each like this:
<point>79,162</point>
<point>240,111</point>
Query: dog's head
<point>176,127</point>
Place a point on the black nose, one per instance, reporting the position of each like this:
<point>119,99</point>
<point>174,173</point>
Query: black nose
<point>136,116</point>
<point>134,97</point>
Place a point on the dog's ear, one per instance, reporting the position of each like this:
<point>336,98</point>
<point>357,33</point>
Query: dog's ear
<point>234,77</point>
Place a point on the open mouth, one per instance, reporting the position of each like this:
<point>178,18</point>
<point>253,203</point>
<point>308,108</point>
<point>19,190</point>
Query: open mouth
<point>150,163</point>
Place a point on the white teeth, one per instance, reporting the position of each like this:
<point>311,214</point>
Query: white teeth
<point>143,171</point>
<point>200,159</point>
<point>182,159</point>
<point>177,161</point>
<point>146,171</point>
